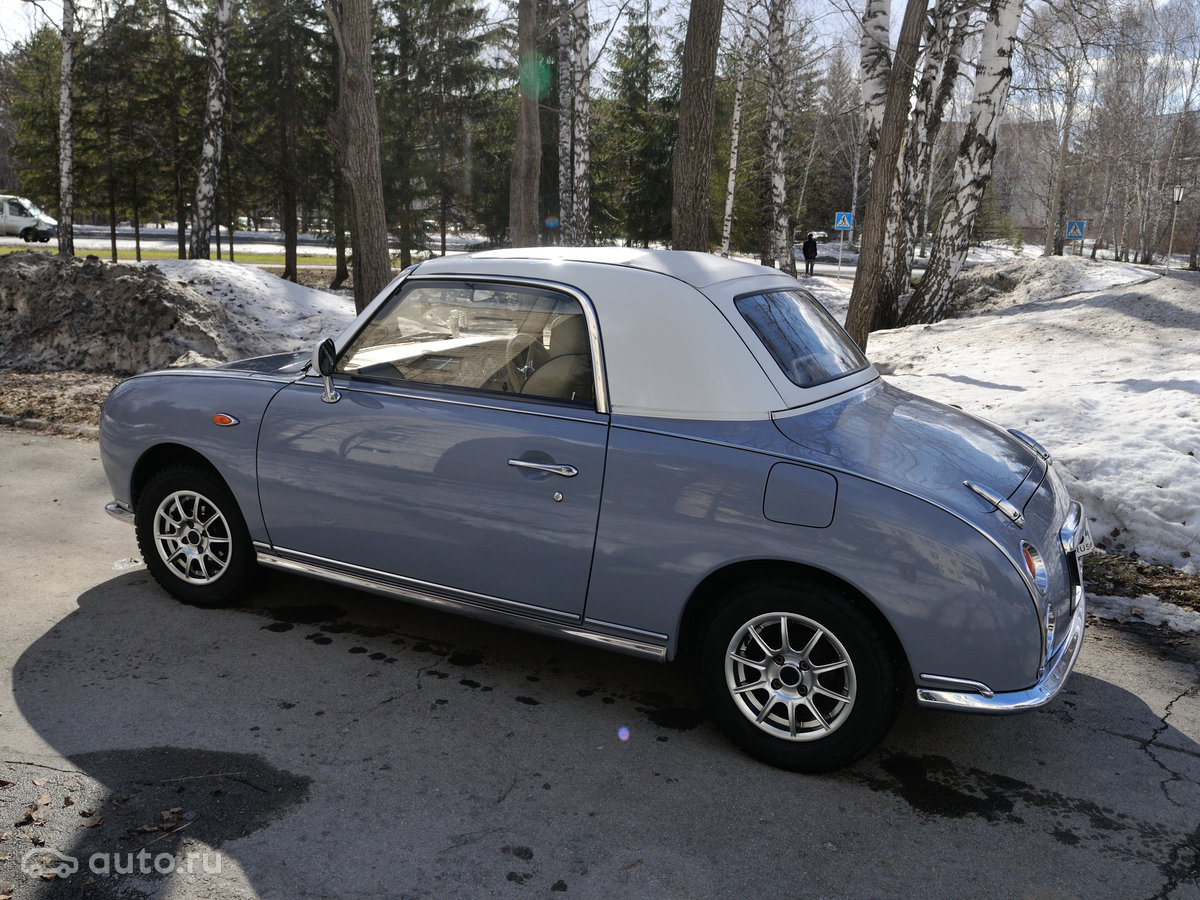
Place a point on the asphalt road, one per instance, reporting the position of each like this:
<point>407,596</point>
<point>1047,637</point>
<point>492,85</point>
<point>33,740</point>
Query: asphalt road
<point>318,742</point>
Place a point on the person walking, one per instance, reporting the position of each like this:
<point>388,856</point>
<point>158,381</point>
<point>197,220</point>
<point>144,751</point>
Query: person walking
<point>810,253</point>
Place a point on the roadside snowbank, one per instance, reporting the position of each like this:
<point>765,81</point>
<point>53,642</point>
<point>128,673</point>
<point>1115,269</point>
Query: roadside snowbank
<point>1100,362</point>
<point>269,315</point>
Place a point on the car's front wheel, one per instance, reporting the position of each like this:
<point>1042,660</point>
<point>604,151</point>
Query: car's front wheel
<point>799,677</point>
<point>192,536</point>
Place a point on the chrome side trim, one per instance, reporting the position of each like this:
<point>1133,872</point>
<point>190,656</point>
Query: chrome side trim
<point>1047,688</point>
<point>963,684</point>
<point>997,502</point>
<point>1034,445</point>
<point>516,617</point>
<point>120,510</point>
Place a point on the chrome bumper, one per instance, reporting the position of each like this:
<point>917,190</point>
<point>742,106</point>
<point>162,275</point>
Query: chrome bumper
<point>977,698</point>
<point>119,511</point>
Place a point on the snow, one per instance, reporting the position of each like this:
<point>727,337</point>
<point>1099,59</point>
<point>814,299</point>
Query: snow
<point>276,316</point>
<point>1099,361</point>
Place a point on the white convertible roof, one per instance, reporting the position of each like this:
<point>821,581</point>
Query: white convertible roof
<point>674,345</point>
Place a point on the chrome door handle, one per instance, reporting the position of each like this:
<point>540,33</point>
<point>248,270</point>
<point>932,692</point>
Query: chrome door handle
<point>552,468</point>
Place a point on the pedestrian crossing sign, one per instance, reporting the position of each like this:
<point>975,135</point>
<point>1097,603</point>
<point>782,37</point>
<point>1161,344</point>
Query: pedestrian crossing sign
<point>843,221</point>
<point>1075,231</point>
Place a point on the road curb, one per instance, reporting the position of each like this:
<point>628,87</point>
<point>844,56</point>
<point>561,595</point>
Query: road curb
<point>91,432</point>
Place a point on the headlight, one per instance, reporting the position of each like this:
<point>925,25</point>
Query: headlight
<point>1035,566</point>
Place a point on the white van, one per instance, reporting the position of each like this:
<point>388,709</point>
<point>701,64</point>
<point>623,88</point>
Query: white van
<point>22,217</point>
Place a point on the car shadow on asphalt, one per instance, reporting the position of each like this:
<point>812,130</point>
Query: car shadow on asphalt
<point>204,728</point>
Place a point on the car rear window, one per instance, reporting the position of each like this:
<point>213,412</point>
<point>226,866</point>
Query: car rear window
<point>804,340</point>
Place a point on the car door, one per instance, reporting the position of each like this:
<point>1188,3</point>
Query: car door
<point>449,462</point>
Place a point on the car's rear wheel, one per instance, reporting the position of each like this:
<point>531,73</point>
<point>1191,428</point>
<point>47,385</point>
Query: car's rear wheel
<point>192,536</point>
<point>799,677</point>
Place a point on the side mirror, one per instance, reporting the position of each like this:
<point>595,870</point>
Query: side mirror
<point>325,361</point>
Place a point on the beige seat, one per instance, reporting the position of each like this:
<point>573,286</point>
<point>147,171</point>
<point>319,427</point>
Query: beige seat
<point>568,373</point>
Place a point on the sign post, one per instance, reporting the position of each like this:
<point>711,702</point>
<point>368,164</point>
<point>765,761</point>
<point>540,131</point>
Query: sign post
<point>1075,233</point>
<point>842,222</point>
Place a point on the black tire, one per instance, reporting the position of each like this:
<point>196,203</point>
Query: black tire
<point>814,698</point>
<point>193,537</point>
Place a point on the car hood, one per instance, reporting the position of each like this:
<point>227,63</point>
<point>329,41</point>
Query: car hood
<point>276,364</point>
<point>915,444</point>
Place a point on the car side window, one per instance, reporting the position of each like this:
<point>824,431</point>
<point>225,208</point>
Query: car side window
<point>481,337</point>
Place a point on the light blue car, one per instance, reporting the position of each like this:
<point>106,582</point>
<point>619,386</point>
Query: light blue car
<point>669,454</point>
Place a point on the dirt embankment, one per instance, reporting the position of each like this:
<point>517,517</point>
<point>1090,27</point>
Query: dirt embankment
<point>85,315</point>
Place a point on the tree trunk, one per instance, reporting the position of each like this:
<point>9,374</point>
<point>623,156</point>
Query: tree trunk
<point>735,134</point>
<point>869,278</point>
<point>694,147</point>
<point>973,168</point>
<point>527,154</point>
<point>210,151</point>
<point>943,45</point>
<point>581,188</point>
<point>354,134</point>
<point>66,136</point>
<point>876,69</point>
<point>776,114</point>
<point>176,140</point>
<point>566,116</point>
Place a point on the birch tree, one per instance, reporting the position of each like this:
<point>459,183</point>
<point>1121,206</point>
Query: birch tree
<point>203,210</point>
<point>776,115</point>
<point>944,36</point>
<point>973,166</point>
<point>735,131</point>
<point>566,105</point>
<point>864,295</point>
<point>581,125</point>
<point>876,62</point>
<point>354,134</point>
<point>66,136</point>
<point>574,121</point>
<point>697,105</point>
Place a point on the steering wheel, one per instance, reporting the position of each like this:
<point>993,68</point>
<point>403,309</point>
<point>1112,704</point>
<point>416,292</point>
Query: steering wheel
<point>524,355</point>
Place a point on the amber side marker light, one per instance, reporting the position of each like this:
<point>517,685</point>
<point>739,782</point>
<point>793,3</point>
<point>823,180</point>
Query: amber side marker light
<point>224,420</point>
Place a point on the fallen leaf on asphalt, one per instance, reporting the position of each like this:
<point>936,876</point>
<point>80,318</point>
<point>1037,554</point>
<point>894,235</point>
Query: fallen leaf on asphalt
<point>26,819</point>
<point>43,800</point>
<point>4,784</point>
<point>38,782</point>
<point>92,823</point>
<point>67,801</point>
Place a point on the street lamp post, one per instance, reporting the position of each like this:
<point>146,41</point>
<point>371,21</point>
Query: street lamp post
<point>1178,195</point>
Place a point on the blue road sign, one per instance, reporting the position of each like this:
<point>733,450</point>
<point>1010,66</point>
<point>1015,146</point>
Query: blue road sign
<point>1075,231</point>
<point>843,221</point>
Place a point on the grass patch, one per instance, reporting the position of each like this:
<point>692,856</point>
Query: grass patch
<point>251,259</point>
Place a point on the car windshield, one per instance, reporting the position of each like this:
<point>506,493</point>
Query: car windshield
<point>806,342</point>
